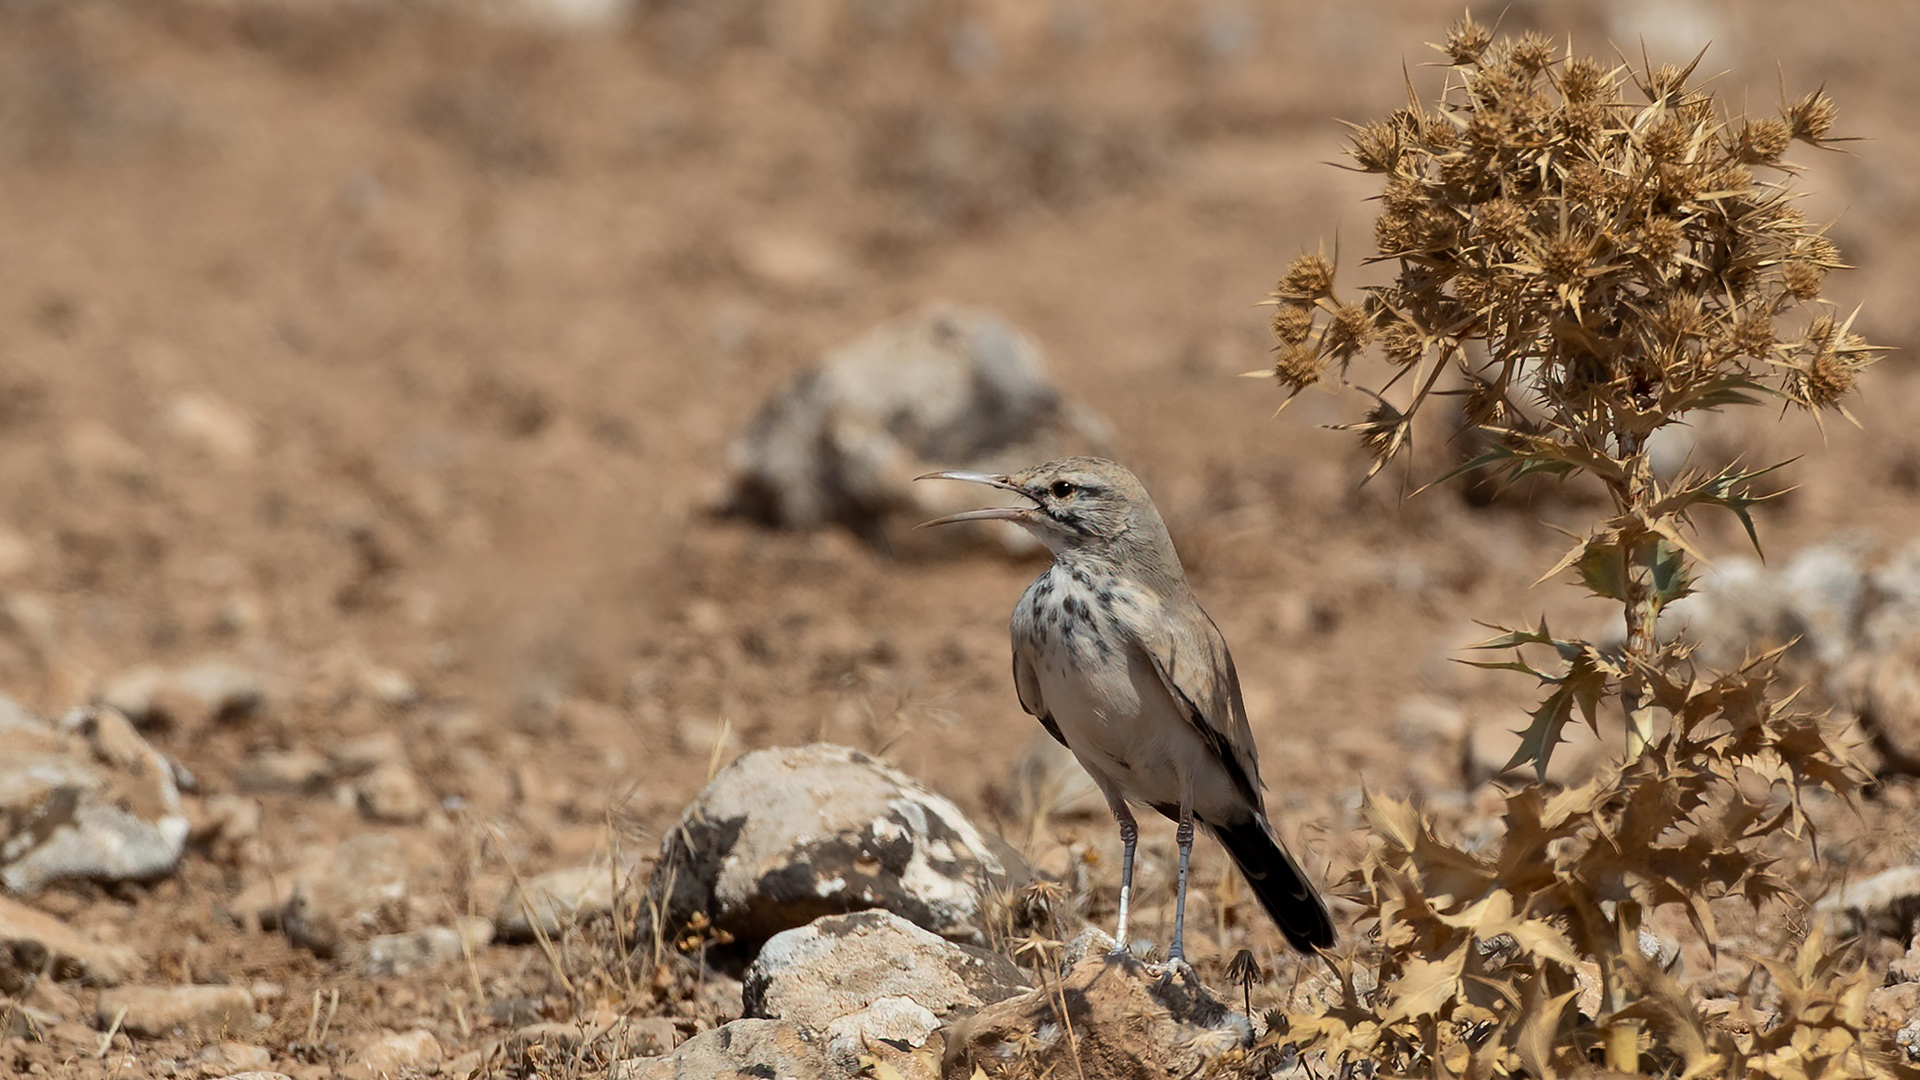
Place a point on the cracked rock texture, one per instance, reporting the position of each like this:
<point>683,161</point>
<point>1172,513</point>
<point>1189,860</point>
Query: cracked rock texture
<point>786,835</point>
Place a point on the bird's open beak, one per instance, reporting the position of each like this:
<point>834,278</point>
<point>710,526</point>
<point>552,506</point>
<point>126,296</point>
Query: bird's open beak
<point>989,513</point>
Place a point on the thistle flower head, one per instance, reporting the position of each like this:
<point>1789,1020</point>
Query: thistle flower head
<point>1618,263</point>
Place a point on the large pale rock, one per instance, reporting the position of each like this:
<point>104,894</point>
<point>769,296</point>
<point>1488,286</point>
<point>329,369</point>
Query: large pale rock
<point>153,1011</point>
<point>842,964</point>
<point>786,835</point>
<point>87,799</point>
<point>1127,1024</point>
<point>942,388</point>
<point>32,942</point>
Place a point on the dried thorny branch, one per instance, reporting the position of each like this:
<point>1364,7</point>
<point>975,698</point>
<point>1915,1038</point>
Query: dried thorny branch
<point>1588,253</point>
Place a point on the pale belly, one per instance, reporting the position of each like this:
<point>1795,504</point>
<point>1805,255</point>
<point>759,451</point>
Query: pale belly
<point>1123,726</point>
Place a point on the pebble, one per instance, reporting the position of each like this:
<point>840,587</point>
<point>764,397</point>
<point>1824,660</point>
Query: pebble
<point>234,1057</point>
<point>425,949</point>
<point>392,795</point>
<point>393,1055</point>
<point>555,900</point>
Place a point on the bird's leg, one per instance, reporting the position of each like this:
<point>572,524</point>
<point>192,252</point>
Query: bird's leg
<point>1177,952</point>
<point>1129,840</point>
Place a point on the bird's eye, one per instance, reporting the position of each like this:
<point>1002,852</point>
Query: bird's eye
<point>1061,489</point>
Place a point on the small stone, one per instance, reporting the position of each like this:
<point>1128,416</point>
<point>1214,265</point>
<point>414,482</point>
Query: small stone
<point>284,772</point>
<point>842,964</point>
<point>391,794</point>
<point>742,1048</point>
<point>394,1055</point>
<point>425,949</point>
<point>186,699</point>
<point>212,425</point>
<point>225,826</point>
<point>32,941</point>
<point>368,752</point>
<point>648,1035</point>
<point>1885,904</point>
<point>793,262</point>
<point>234,1057</point>
<point>153,1011</point>
<point>556,900</point>
<point>1890,1008</point>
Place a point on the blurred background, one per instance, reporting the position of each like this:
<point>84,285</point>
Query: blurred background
<point>369,371</point>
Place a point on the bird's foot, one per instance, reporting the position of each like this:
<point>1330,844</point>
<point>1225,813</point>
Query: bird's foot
<point>1177,965</point>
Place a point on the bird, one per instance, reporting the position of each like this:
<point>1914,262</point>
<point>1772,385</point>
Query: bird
<point>1121,665</point>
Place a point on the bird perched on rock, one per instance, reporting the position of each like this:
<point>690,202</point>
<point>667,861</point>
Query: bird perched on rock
<point>1119,663</point>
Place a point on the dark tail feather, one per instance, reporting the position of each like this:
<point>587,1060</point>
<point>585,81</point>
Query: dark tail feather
<point>1279,883</point>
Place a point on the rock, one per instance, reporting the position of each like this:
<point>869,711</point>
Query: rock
<point>556,900</point>
<point>741,1050</point>
<point>1890,1008</point>
<point>425,949</point>
<point>286,772</point>
<point>1852,620</point>
<point>1127,1023</point>
<point>226,827</point>
<point>340,895</point>
<point>1907,968</point>
<point>392,795</point>
<point>86,800</point>
<point>792,262</point>
<point>841,964</point>
<point>395,1055</point>
<point>153,1011</point>
<point>186,699</point>
<point>259,1074</point>
<point>785,835</point>
<point>228,1058</point>
<point>212,425</point>
<point>1885,904</point>
<point>32,942</point>
<point>942,388</point>
<point>649,1035</point>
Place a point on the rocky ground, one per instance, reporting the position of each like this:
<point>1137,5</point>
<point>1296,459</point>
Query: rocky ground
<point>373,382</point>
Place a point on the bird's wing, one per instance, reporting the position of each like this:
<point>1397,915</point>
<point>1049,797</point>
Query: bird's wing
<point>1026,682</point>
<point>1192,660</point>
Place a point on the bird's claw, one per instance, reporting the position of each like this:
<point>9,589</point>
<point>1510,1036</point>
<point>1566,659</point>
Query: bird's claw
<point>1177,965</point>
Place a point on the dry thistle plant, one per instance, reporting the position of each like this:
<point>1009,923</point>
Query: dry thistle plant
<point>1596,252</point>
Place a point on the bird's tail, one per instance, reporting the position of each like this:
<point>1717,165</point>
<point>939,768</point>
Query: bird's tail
<point>1278,881</point>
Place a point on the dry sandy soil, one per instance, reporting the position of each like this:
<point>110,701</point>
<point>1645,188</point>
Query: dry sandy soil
<point>334,341</point>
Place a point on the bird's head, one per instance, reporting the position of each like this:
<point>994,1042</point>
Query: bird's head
<point>1077,503</point>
